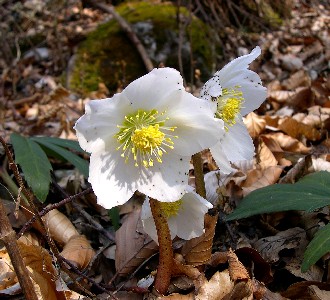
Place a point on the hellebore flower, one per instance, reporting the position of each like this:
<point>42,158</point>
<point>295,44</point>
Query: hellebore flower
<point>233,92</point>
<point>143,138</point>
<point>185,217</point>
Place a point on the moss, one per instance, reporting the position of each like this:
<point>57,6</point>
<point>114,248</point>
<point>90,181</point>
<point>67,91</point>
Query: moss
<point>108,56</point>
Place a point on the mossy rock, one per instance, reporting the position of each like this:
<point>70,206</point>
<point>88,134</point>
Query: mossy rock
<point>108,56</point>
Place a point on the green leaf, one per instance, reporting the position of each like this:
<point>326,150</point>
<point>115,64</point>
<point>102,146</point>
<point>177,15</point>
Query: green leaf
<point>34,163</point>
<point>310,193</point>
<point>318,246</point>
<point>115,218</point>
<point>74,145</point>
<point>81,164</point>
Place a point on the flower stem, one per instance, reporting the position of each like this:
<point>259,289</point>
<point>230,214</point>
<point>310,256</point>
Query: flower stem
<point>199,175</point>
<point>165,264</point>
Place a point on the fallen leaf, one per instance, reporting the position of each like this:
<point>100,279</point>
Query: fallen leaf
<point>197,251</point>
<point>216,288</point>
<point>79,251</point>
<point>133,245</point>
<point>288,143</point>
<point>297,129</point>
<point>254,124</point>
<point>265,157</point>
<point>293,238</point>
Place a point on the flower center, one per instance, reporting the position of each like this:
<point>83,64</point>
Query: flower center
<point>229,105</point>
<point>143,134</point>
<point>171,208</point>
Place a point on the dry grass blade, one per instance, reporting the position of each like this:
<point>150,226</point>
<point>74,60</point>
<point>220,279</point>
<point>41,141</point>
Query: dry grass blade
<point>197,251</point>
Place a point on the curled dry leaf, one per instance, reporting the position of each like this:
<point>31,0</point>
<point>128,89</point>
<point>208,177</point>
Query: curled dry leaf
<point>288,143</point>
<point>237,271</point>
<point>265,156</point>
<point>216,288</point>
<point>257,179</point>
<point>60,227</point>
<point>133,245</point>
<point>79,251</point>
<point>254,124</point>
<point>297,129</point>
<point>197,251</point>
<point>280,96</point>
<point>42,272</point>
<point>7,273</point>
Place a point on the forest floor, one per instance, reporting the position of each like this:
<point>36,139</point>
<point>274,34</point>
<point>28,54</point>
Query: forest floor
<point>265,252</point>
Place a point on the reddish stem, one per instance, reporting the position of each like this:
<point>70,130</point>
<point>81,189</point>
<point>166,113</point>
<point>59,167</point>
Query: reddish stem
<point>165,264</point>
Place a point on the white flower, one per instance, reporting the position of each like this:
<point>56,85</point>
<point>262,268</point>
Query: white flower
<point>233,92</point>
<point>143,138</point>
<point>185,217</point>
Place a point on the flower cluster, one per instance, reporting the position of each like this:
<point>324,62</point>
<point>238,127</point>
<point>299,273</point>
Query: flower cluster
<point>143,139</point>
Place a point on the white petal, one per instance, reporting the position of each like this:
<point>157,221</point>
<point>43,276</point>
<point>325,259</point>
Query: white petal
<point>148,222</point>
<point>239,63</point>
<point>221,158</point>
<point>197,129</point>
<point>166,181</point>
<point>237,143</point>
<point>212,88</point>
<point>151,90</point>
<point>190,219</point>
<point>113,181</point>
<point>98,125</point>
<point>250,84</point>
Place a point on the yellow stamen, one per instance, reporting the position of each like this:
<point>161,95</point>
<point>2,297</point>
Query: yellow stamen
<point>143,135</point>
<point>171,208</point>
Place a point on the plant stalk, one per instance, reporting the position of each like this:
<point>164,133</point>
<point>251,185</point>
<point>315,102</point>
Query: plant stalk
<point>165,265</point>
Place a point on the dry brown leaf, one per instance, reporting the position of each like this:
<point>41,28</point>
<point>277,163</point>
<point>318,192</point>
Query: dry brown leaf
<point>176,296</point>
<point>133,245</point>
<point>302,99</point>
<point>265,157</point>
<point>216,288</point>
<point>318,294</point>
<point>280,96</point>
<point>7,274</point>
<point>43,273</point>
<point>297,129</point>
<point>237,271</point>
<point>242,290</point>
<point>314,273</point>
<point>254,124</point>
<point>300,290</point>
<point>297,79</point>
<point>288,143</point>
<point>257,179</point>
<point>60,227</point>
<point>197,251</point>
<point>271,121</point>
<point>293,238</point>
<point>79,251</point>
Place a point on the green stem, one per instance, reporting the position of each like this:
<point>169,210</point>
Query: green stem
<point>199,174</point>
<point>165,264</point>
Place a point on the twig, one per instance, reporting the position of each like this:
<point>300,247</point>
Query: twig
<point>8,236</point>
<point>128,29</point>
<point>47,209</point>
